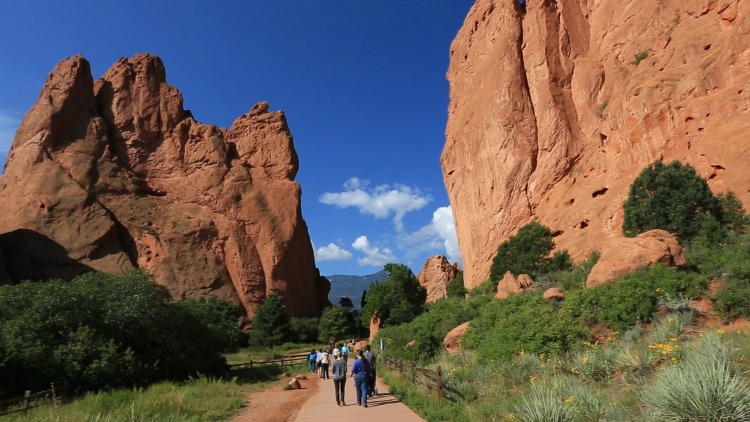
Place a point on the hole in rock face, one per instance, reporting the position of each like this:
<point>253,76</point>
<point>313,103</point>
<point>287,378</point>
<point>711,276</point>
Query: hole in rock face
<point>603,137</point>
<point>557,233</point>
<point>42,206</point>
<point>583,224</point>
<point>707,47</point>
<point>599,192</point>
<point>570,202</point>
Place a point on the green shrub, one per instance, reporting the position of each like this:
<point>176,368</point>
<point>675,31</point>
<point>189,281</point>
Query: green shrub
<point>670,197</point>
<point>101,331</point>
<point>576,277</point>
<point>456,287</point>
<point>522,322</point>
<point>526,253</point>
<point>221,320</point>
<point>733,299</point>
<point>485,288</point>
<point>429,329</point>
<point>702,388</point>
<point>632,298</point>
<point>637,58</point>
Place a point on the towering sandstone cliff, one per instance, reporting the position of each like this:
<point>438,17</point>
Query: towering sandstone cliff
<point>552,116</point>
<point>115,175</point>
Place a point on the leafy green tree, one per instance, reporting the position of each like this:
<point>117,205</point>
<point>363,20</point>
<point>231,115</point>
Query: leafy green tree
<point>363,300</point>
<point>221,319</point>
<point>734,219</point>
<point>303,330</point>
<point>398,299</point>
<point>345,302</point>
<point>526,253</point>
<point>271,323</point>
<point>335,324</point>
<point>670,197</point>
<point>456,287</point>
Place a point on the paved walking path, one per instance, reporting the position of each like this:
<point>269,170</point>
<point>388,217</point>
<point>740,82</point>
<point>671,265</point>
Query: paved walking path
<point>321,406</point>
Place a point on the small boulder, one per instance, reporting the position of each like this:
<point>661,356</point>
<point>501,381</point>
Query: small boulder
<point>553,293</point>
<point>294,384</point>
<point>452,340</point>
<point>510,284</point>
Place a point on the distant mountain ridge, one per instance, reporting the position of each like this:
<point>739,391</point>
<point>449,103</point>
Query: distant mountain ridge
<point>352,286</point>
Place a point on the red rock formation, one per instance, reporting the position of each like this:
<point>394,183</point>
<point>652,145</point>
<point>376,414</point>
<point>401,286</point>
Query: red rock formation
<point>375,323</point>
<point>553,293</point>
<point>511,284</point>
<point>552,116</point>
<point>452,340</point>
<point>121,176</point>
<point>622,255</point>
<point>435,275</point>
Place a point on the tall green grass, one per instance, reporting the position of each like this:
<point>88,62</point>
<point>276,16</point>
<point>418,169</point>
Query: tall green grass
<point>200,399</point>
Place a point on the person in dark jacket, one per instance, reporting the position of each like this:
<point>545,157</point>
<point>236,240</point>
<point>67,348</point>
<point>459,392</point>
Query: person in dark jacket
<point>339,378</point>
<point>361,373</point>
<point>370,358</point>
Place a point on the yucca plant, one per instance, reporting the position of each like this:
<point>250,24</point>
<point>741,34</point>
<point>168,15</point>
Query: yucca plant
<point>541,404</point>
<point>701,388</point>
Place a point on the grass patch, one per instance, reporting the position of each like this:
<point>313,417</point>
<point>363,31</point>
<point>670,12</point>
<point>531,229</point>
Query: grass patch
<point>196,400</point>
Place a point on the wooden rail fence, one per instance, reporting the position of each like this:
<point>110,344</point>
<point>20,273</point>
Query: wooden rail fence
<point>288,360</point>
<point>25,401</point>
<point>431,378</point>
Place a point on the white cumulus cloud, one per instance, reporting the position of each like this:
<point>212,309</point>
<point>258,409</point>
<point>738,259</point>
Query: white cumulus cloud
<point>436,237</point>
<point>380,201</point>
<point>445,227</point>
<point>374,255</point>
<point>332,252</point>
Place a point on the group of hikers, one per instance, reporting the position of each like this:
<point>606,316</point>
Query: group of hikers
<point>335,359</point>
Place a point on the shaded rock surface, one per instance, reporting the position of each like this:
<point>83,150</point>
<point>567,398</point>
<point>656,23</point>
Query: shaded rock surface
<point>435,275</point>
<point>119,175</point>
<point>556,109</point>
<point>452,340</point>
<point>622,255</point>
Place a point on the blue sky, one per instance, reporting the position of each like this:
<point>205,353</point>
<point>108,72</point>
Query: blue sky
<point>362,84</point>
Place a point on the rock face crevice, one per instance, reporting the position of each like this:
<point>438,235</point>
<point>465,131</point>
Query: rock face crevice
<point>596,91</point>
<point>121,176</point>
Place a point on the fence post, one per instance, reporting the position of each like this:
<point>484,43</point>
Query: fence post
<point>26,401</point>
<point>413,371</point>
<point>282,361</point>
<point>439,382</point>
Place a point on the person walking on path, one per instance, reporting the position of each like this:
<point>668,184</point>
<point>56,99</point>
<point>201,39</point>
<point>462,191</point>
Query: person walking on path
<point>311,359</point>
<point>361,373</point>
<point>345,352</point>
<point>324,363</point>
<point>339,378</point>
<point>370,357</point>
